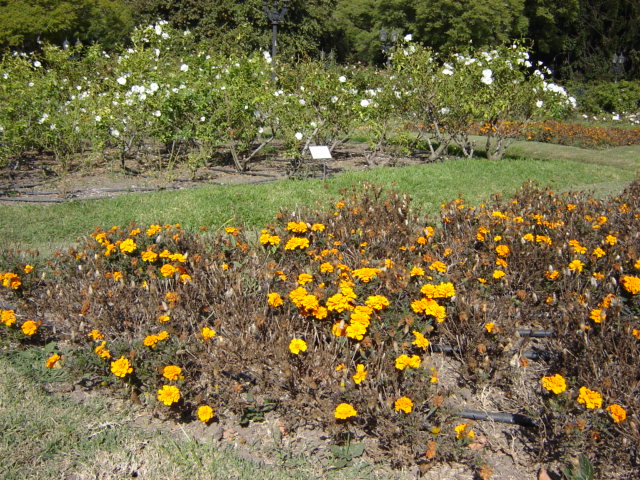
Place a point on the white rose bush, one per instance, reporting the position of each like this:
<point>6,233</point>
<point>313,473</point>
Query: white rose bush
<point>166,99</point>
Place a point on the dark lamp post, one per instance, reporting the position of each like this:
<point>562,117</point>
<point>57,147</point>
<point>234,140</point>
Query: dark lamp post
<point>275,14</point>
<point>388,39</point>
<point>618,65</point>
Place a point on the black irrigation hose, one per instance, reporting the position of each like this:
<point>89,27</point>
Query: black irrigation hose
<point>528,332</point>
<point>513,418</point>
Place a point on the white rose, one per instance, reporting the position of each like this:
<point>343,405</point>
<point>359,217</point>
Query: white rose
<point>184,67</point>
<point>365,103</point>
<point>298,136</point>
<point>122,80</point>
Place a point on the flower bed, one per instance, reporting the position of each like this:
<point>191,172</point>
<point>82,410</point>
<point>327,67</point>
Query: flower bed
<point>333,319</point>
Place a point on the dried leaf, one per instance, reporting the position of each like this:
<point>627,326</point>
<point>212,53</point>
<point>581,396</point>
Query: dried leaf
<point>485,472</point>
<point>432,448</point>
<point>543,475</point>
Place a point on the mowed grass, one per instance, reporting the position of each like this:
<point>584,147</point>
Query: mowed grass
<point>62,435</point>
<point>561,168</point>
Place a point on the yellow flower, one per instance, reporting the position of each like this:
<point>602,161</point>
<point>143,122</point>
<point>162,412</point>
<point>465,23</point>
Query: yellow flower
<point>637,264</point>
<point>163,335</point>
<point>340,205</point>
<point>636,333</point>
<point>360,375</point>
<point>205,413</point>
<point>576,266</point>
<point>231,231</point>
<point>543,239</point>
<point>571,206</point>
<point>168,270</point>
<point>128,246</point>
<point>489,326</point>
<point>101,351</point>
<point>498,274</point>
<point>420,341</point>
<point>500,262</point>
<point>318,227</point>
<point>11,280</point>
<point>377,302</point>
<point>178,257</point>
<point>417,272</point>
<point>8,317</point>
<point>631,284</point>
<point>617,412</point>
<point>164,318</point>
<point>344,411</point>
<point>590,398</point>
<point>29,328</point>
<point>404,404</point>
<point>151,341</point>
<point>149,256</point>
<point>297,227</point>
<point>297,242</point>
<point>365,275</point>
<point>339,329</point>
<point>598,252</point>
<point>304,278</point>
<point>611,240</point>
<point>208,333</point>
<point>503,250</point>
<point>552,275</point>
<point>297,345</point>
<point>597,315</point>
<point>528,237</point>
<point>28,268</point>
<point>404,361</point>
<point>460,431</point>
<point>153,230</point>
<point>52,360</point>
<point>576,247</point>
<point>266,239</point>
<point>438,267</point>
<point>171,372</point>
<point>326,267</point>
<point>121,367</point>
<point>169,394</point>
<point>95,335</point>
<point>274,299</point>
<point>555,383</point>
<point>117,276</point>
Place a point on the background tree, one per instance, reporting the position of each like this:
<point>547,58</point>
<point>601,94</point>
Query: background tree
<point>23,23</point>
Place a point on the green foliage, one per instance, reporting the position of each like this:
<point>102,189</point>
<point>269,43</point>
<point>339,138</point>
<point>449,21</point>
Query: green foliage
<point>24,25</point>
<point>583,471</point>
<point>611,97</point>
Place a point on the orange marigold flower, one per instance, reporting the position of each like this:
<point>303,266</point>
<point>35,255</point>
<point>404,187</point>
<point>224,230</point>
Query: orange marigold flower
<point>95,335</point>
<point>344,411</point>
<point>274,299</point>
<point>149,256</point>
<point>8,317</point>
<point>297,345</point>
<point>153,230</point>
<point>403,404</point>
<point>461,429</point>
<point>151,341</point>
<point>631,284</point>
<point>618,413</point>
<point>636,333</point>
<point>598,252</point>
<point>121,367</point>
<point>52,360</point>
<point>326,267</point>
<point>29,328</point>
<point>205,413</point>
<point>377,302</point>
<point>438,267</point>
<point>576,247</point>
<point>297,242</point>
<point>590,398</point>
<point>360,375</point>
<point>101,351</point>
<point>28,268</point>
<point>171,372</point>
<point>128,246</point>
<point>637,265</point>
<point>208,333</point>
<point>417,272</point>
<point>528,237</point>
<point>597,315</point>
<point>318,227</point>
<point>404,361</point>
<point>339,329</point>
<point>365,275</point>
<point>611,240</point>
<point>168,270</point>
<point>576,266</point>
<point>297,227</point>
<point>498,274</point>
<point>420,341</point>
<point>304,278</point>
<point>555,383</point>
<point>231,231</point>
<point>169,394</point>
<point>11,280</point>
<point>489,326</point>
<point>503,250</point>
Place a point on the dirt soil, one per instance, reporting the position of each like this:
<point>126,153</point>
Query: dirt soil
<point>37,177</point>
